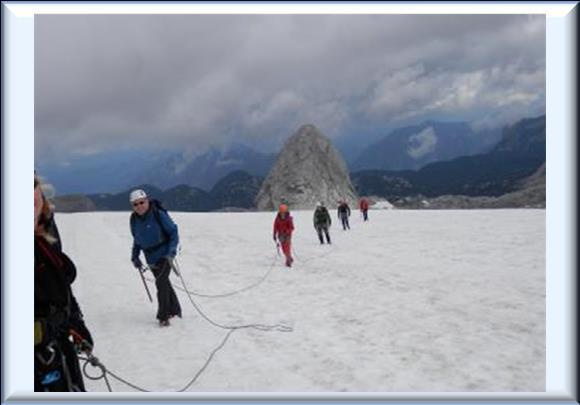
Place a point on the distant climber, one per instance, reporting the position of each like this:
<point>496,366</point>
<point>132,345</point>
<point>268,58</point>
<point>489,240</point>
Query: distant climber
<point>322,222</point>
<point>364,208</point>
<point>343,214</point>
<point>283,228</point>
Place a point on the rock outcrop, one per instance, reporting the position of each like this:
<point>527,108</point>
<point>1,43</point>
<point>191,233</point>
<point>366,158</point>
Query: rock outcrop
<point>307,170</point>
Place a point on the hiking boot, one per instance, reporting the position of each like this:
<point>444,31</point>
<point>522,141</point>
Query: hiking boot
<point>164,322</point>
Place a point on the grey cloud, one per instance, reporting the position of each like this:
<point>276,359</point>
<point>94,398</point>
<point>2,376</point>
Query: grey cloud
<point>110,81</point>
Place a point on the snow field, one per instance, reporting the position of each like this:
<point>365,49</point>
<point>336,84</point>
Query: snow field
<point>431,301</point>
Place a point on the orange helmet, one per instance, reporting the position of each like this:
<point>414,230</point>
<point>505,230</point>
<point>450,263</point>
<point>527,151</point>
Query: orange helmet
<point>283,208</point>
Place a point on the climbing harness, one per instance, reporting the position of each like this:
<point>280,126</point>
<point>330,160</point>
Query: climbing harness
<point>55,365</point>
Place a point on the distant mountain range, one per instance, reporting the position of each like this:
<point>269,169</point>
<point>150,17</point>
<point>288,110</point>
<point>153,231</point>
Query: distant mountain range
<point>109,172</point>
<point>529,192</point>
<point>115,172</point>
<point>413,147</point>
<point>236,191</point>
<point>519,154</point>
<point>205,170</point>
<point>405,148</point>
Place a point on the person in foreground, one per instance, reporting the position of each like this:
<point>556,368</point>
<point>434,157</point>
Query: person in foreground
<point>60,332</point>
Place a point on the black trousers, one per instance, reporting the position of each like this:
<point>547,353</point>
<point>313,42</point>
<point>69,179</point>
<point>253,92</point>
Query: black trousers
<point>344,219</point>
<point>365,215</point>
<point>168,304</point>
<point>319,230</point>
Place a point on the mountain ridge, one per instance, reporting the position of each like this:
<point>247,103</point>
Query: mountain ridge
<point>508,168</point>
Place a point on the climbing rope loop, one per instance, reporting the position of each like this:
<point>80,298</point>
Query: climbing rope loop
<point>103,373</point>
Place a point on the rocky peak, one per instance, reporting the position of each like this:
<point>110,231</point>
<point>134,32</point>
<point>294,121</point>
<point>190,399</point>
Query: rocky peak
<point>308,169</point>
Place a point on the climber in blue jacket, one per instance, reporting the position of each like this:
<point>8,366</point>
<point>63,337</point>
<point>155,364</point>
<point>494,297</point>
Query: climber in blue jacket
<point>155,233</point>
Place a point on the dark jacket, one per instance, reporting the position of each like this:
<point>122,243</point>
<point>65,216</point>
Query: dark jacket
<point>343,210</point>
<point>156,238</point>
<point>57,318</point>
<point>321,218</point>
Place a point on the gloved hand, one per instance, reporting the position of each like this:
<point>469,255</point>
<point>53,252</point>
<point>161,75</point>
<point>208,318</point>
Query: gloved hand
<point>274,238</point>
<point>137,263</point>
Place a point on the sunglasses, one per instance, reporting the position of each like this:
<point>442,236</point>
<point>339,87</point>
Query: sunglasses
<point>138,203</point>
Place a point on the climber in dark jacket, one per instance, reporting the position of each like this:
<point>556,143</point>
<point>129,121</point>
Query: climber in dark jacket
<point>343,214</point>
<point>322,222</point>
<point>59,328</point>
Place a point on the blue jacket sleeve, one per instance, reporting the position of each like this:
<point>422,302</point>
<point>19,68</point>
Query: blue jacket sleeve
<point>171,229</point>
<point>136,248</point>
<point>135,251</point>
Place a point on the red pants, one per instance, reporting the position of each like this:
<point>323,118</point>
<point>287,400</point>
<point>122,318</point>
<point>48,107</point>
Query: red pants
<point>285,242</point>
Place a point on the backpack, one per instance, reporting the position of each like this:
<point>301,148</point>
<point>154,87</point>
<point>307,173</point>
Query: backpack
<point>320,215</point>
<point>156,206</point>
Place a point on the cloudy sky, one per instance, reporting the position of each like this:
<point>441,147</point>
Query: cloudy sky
<point>109,82</point>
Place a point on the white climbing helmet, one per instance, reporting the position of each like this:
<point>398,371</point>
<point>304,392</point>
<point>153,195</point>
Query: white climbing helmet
<point>137,195</point>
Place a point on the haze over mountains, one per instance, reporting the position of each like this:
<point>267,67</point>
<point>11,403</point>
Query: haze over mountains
<point>451,160</point>
<point>519,154</point>
<point>164,169</point>
<point>405,148</point>
<point>205,170</point>
<point>415,146</point>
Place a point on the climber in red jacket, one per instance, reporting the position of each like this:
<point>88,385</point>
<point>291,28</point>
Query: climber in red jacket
<point>283,227</point>
<point>364,208</point>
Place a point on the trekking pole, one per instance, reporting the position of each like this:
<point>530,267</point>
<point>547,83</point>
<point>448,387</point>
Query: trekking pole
<point>144,283</point>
